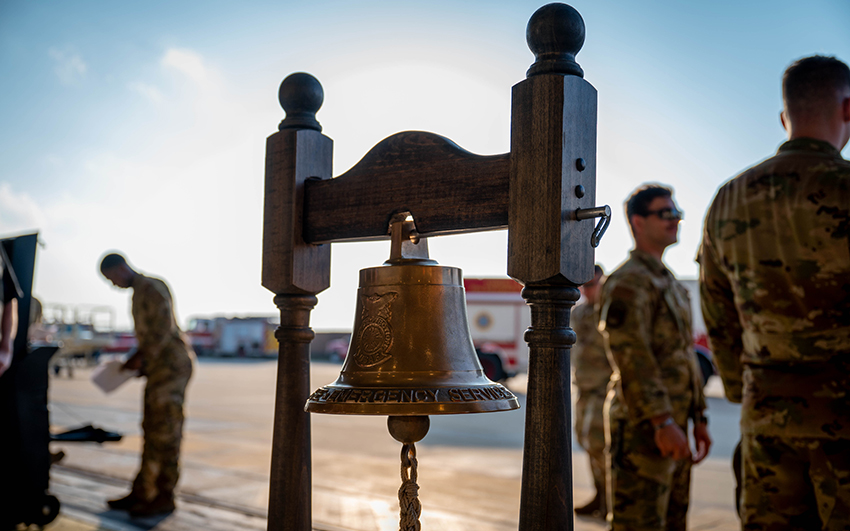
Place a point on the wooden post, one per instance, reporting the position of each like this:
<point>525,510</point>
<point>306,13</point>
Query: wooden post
<point>553,166</point>
<point>295,272</point>
<point>536,190</point>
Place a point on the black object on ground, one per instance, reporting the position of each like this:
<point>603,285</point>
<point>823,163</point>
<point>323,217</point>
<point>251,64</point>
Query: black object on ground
<point>87,433</point>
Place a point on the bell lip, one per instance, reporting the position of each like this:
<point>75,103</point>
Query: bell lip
<point>502,400</point>
<point>406,410</point>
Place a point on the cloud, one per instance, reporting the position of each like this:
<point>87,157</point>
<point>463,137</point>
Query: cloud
<point>149,92</point>
<point>18,211</point>
<point>202,88</point>
<point>190,64</point>
<point>202,84</point>
<point>69,66</point>
<point>204,81</point>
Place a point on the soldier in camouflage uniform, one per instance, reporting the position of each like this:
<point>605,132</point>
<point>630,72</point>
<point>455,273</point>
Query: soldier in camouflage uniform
<point>165,357</point>
<point>775,290</point>
<point>645,319</point>
<point>592,374</point>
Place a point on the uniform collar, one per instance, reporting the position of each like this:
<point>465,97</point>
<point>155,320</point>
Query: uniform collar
<point>652,263</point>
<point>809,144</point>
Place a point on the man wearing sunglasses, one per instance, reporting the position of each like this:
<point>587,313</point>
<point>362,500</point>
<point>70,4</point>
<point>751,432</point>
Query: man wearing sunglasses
<point>657,386</point>
<point>775,291</point>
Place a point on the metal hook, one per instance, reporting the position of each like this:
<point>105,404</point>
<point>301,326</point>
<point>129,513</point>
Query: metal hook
<point>603,212</point>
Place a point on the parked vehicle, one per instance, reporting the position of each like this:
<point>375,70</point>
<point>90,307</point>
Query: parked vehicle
<point>236,336</point>
<point>83,333</point>
<point>498,318</point>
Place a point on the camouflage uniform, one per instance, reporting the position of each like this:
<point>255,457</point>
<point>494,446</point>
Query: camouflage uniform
<point>167,363</point>
<point>775,290</point>
<point>646,321</point>
<point>593,373</point>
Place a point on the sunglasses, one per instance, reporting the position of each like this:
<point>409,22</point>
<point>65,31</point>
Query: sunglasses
<point>667,214</point>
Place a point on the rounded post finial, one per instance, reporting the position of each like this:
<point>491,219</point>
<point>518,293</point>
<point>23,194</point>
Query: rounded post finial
<point>555,34</point>
<point>301,96</point>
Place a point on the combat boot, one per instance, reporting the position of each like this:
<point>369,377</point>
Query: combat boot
<point>161,505</point>
<point>125,503</point>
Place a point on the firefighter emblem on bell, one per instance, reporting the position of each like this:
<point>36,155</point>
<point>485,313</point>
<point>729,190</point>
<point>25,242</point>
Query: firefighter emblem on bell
<point>375,339</point>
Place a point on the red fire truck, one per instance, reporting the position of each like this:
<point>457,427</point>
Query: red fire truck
<point>498,317</point>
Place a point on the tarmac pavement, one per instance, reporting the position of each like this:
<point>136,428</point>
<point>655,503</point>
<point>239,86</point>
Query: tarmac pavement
<point>469,465</point>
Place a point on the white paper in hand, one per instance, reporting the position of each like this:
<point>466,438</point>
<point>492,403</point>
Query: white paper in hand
<point>108,376</point>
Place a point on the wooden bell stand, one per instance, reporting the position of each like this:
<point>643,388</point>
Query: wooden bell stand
<point>535,192</point>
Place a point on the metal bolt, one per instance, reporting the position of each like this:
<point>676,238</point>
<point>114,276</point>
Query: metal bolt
<point>580,164</point>
<point>579,190</point>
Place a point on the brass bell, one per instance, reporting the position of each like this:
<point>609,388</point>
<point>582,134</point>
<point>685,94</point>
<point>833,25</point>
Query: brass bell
<point>411,352</point>
<point>411,355</point>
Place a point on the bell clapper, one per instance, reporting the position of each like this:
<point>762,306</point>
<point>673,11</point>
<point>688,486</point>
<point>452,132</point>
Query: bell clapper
<point>408,430</point>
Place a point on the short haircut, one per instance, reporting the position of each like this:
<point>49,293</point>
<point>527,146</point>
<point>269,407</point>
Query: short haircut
<point>598,271</point>
<point>111,260</point>
<point>638,203</point>
<point>811,84</point>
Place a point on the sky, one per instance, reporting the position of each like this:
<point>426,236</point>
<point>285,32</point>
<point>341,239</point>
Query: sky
<point>141,126</point>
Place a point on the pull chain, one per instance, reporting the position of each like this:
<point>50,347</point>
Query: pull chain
<point>408,493</point>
